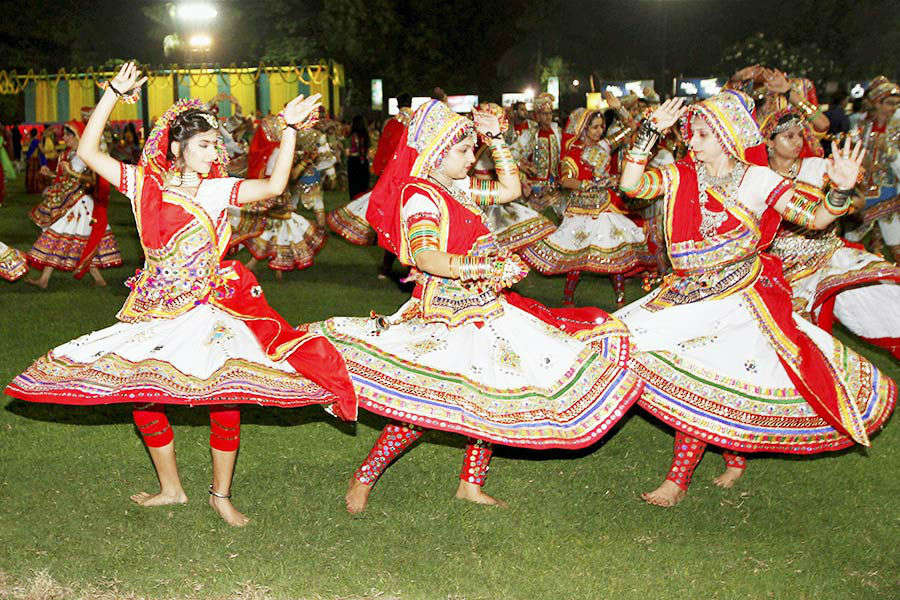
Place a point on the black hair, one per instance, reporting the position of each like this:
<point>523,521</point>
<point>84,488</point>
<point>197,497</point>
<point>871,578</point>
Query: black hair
<point>33,132</point>
<point>130,127</point>
<point>781,121</point>
<point>187,125</point>
<point>404,100</point>
<point>609,118</point>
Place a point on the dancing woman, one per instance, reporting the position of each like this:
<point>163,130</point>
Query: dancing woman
<point>76,234</point>
<point>463,355</point>
<point>830,277</point>
<point>595,235</point>
<point>194,330</point>
<point>724,359</point>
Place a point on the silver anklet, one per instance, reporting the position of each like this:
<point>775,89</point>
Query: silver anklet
<point>217,494</point>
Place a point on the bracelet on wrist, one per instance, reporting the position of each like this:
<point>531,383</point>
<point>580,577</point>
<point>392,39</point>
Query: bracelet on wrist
<point>128,98</point>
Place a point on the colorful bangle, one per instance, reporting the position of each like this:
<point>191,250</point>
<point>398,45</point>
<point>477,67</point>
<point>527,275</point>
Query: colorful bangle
<point>838,202</point>
<point>129,98</point>
<point>504,163</point>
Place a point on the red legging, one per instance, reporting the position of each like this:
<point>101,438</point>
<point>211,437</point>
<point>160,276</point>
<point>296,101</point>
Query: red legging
<point>397,437</point>
<point>686,456</point>
<point>224,427</point>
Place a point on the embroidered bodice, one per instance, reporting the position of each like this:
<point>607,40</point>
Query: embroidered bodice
<point>183,243</point>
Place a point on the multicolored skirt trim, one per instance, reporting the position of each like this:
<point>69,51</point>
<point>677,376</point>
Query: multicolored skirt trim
<point>516,226</point>
<point>349,222</point>
<point>63,251</point>
<point>509,389</point>
<point>13,263</point>
<point>747,418</point>
<point>288,244</point>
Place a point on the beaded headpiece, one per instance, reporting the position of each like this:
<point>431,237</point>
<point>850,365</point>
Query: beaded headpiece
<point>772,124</point>
<point>432,131</point>
<point>730,116</point>
<point>576,125</point>
<point>880,88</point>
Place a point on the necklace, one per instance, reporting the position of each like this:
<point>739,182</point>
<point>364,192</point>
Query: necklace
<point>190,179</point>
<point>727,184</point>
<point>792,171</point>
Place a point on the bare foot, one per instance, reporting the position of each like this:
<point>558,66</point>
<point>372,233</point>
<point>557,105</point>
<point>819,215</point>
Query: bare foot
<point>160,499</point>
<point>37,283</point>
<point>99,283</point>
<point>729,477</point>
<point>474,493</point>
<point>357,496</point>
<point>228,512</point>
<point>668,494</point>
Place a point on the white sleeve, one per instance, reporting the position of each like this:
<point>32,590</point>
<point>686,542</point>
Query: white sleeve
<point>215,195</point>
<point>419,204</point>
<point>761,188</point>
<point>77,164</point>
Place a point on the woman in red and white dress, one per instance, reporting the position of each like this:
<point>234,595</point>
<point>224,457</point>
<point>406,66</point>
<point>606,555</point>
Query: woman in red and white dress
<point>76,234</point>
<point>194,330</point>
<point>724,359</point>
<point>831,278</point>
<point>463,354</point>
<point>595,234</point>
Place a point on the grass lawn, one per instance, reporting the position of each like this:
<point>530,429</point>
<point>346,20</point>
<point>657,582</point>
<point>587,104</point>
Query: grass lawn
<point>792,528</point>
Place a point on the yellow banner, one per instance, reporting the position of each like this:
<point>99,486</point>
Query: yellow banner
<point>45,100</point>
<point>282,89</point>
<point>243,87</point>
<point>160,96</point>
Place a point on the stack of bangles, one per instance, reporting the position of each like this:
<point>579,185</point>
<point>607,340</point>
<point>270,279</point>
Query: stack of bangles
<point>473,268</point>
<point>504,163</point>
<point>810,111</point>
<point>801,210</point>
<point>837,202</point>
<point>129,98</point>
<point>644,139</point>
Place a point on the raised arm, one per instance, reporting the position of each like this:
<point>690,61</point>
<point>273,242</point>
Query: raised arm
<point>298,114</point>
<point>507,187</point>
<point>125,82</point>
<point>777,82</point>
<point>632,181</point>
<point>842,169</point>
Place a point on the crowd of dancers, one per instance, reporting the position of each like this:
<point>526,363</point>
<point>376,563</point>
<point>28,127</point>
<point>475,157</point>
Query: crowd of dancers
<point>726,208</point>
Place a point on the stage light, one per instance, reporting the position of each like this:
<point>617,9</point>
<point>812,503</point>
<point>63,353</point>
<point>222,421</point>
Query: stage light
<point>197,12</point>
<point>575,83</point>
<point>528,92</point>
<point>200,41</point>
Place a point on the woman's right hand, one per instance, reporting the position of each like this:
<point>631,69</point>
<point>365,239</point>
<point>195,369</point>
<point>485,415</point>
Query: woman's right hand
<point>127,79</point>
<point>668,113</point>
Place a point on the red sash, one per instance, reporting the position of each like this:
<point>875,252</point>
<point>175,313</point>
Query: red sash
<point>311,355</point>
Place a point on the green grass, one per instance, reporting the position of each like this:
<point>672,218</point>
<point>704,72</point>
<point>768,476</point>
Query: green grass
<point>825,527</point>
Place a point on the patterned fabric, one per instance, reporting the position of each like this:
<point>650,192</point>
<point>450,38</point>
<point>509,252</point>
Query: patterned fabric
<point>12,263</point>
<point>685,457</point>
<point>393,441</point>
<point>476,462</point>
<point>349,222</point>
<point>63,251</point>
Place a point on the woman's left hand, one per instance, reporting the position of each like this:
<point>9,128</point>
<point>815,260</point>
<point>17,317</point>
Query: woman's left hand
<point>777,82</point>
<point>300,109</point>
<point>486,124</point>
<point>843,165</point>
